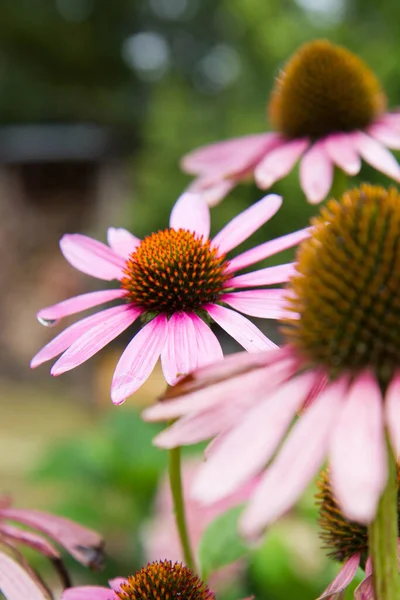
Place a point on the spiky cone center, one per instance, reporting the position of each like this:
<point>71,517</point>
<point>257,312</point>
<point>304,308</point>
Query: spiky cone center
<point>323,89</point>
<point>163,580</point>
<point>174,270</point>
<point>346,288</point>
<point>340,537</point>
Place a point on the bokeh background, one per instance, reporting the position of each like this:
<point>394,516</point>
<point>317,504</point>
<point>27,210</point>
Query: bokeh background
<point>99,99</point>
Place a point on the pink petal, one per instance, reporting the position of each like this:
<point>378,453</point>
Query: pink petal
<point>92,257</point>
<point>16,583</point>
<point>115,583</point>
<point>377,156</point>
<point>72,333</point>
<point>191,212</point>
<point>240,328</point>
<point>267,276</point>
<point>279,162</point>
<point>138,359</point>
<point>78,303</point>
<point>96,338</point>
<point>340,148</point>
<point>391,120</point>
<point>267,304</point>
<point>212,192</point>
<point>365,591</point>
<point>392,413</point>
<point>203,398</point>
<point>251,443</point>
<point>83,544</point>
<point>122,241</point>
<point>343,578</point>
<point>386,135</point>
<point>89,592</point>
<point>296,463</point>
<point>246,223</point>
<point>316,173</point>
<point>267,249</point>
<point>33,540</point>
<point>358,452</point>
<point>229,156</point>
<point>208,348</point>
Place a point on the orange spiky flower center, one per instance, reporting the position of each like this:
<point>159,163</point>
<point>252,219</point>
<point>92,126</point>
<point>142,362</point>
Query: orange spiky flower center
<point>174,270</point>
<point>324,89</point>
<point>163,580</point>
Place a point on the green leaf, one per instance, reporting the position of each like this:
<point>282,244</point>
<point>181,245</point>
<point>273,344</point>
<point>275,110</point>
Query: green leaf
<point>221,543</point>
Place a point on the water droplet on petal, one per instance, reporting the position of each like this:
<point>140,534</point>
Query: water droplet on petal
<point>48,322</point>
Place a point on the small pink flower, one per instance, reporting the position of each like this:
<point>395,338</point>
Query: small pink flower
<point>174,279</point>
<point>17,580</point>
<point>339,369</point>
<point>328,110</point>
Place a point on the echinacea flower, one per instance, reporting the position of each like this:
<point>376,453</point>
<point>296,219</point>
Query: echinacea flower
<point>327,109</point>
<point>18,581</point>
<point>173,280</point>
<point>339,368</point>
<point>346,542</point>
<point>160,580</point>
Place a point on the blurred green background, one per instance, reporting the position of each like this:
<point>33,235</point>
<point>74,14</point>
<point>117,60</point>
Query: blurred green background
<point>99,99</point>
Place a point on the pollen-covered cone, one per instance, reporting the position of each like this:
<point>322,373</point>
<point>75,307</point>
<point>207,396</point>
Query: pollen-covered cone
<point>327,109</point>
<point>338,371</point>
<point>176,281</point>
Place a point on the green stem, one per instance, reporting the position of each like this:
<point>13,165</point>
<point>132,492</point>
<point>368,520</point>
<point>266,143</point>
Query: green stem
<point>339,185</point>
<point>382,539</point>
<point>179,506</point>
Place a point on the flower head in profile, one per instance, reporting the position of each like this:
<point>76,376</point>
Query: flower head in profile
<point>176,281</point>
<point>327,109</point>
<point>160,580</point>
<point>339,368</point>
<point>17,579</point>
<point>346,542</point>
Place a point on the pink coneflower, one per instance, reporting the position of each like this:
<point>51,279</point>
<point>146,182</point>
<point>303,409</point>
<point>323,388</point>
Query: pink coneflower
<point>160,580</point>
<point>328,109</point>
<point>339,368</point>
<point>18,581</point>
<point>176,280</point>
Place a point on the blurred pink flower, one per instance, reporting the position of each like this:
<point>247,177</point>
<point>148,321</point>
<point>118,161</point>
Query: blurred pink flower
<point>339,368</point>
<point>320,118</point>
<point>174,278</point>
<point>17,580</point>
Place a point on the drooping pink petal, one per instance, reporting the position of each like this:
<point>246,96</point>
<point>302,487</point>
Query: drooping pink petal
<point>96,338</point>
<point>240,328</point>
<point>341,150</point>
<point>78,303</point>
<point>180,354</point>
<point>246,223</point>
<point>92,257</point>
<point>343,578</point>
<point>122,241</point>
<point>16,583</point>
<point>83,544</point>
<point>267,276</point>
<point>267,249</point>
<point>138,359</point>
<point>316,173</point>
<point>251,443</point>
<point>279,162</point>
<point>377,155</point>
<point>229,156</point>
<point>89,592</point>
<point>33,540</point>
<point>267,304</point>
<point>296,463</point>
<point>365,591</point>
<point>392,413</point>
<point>72,333</point>
<point>208,348</point>
<point>211,191</point>
<point>391,120</point>
<point>358,452</point>
<point>386,135</point>
<point>191,212</point>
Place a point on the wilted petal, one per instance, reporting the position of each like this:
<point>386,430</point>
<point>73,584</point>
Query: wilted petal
<point>343,578</point>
